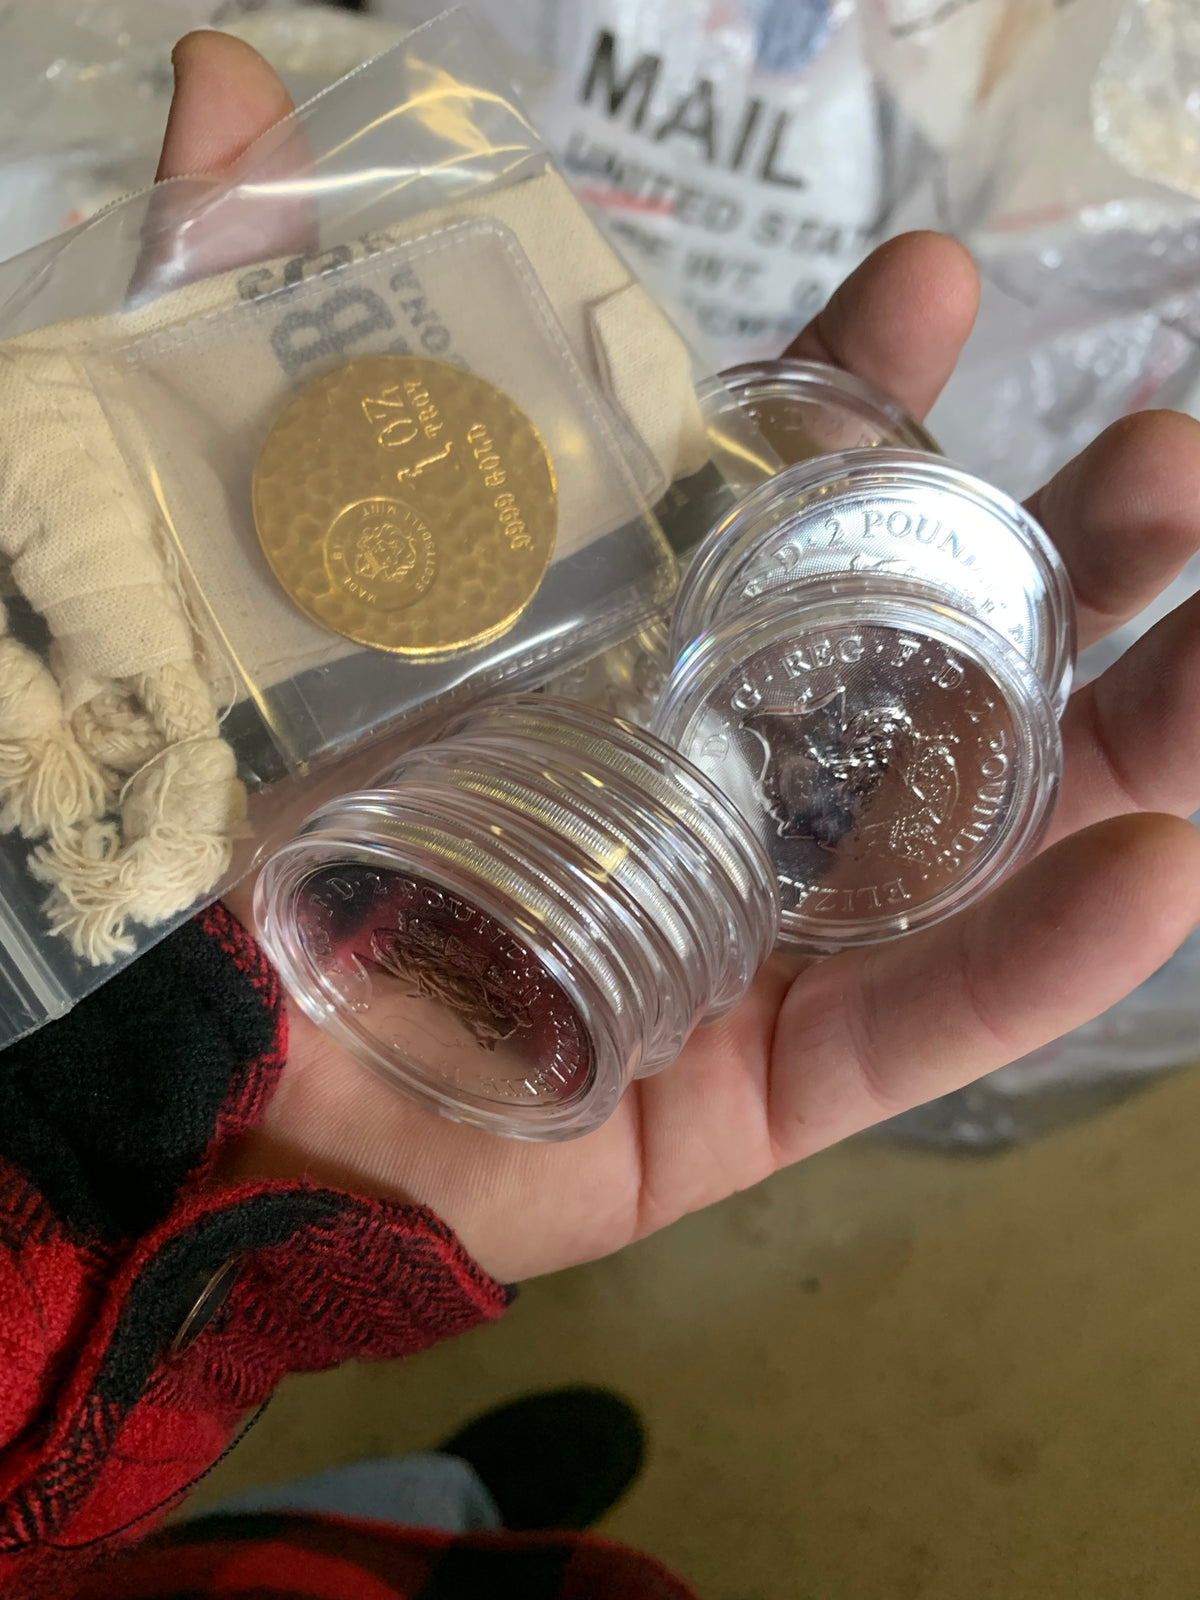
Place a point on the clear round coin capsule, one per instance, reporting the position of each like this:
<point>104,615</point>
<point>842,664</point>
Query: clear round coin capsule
<point>525,916</point>
<point>893,756</point>
<point>893,514</point>
<point>806,409</point>
<point>798,410</point>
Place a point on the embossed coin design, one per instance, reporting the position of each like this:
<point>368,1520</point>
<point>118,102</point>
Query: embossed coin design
<point>407,505</point>
<point>445,973</point>
<point>381,552</point>
<point>894,757</point>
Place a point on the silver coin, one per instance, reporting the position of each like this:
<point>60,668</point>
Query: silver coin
<point>892,765</point>
<point>423,971</point>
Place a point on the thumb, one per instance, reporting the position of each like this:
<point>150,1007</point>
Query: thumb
<point>225,97</point>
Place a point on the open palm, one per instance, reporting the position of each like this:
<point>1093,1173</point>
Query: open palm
<point>822,1050</point>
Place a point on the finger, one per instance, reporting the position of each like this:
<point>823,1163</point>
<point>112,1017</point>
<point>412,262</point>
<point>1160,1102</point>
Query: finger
<point>226,97</point>
<point>1125,515</point>
<point>900,321</point>
<point>1131,739</point>
<point>226,100</point>
<point>873,1033</point>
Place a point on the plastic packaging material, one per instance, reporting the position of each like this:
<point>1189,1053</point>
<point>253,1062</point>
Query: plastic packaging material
<point>530,913</point>
<point>745,153</point>
<point>84,90</point>
<point>732,150</point>
<point>383,383</point>
<point>85,86</point>
<point>1075,187</point>
<point>311,45</point>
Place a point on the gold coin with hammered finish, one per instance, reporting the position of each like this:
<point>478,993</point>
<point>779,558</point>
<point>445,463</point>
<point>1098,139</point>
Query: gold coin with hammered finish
<point>407,505</point>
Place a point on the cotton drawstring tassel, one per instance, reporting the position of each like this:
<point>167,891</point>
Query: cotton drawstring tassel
<point>45,775</point>
<point>172,845</point>
<point>179,813</point>
<point>121,770</point>
<point>117,731</point>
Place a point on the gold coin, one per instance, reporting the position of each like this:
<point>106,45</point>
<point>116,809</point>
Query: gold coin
<point>407,505</point>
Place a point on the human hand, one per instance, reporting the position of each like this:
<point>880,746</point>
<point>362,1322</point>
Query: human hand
<point>821,1050</point>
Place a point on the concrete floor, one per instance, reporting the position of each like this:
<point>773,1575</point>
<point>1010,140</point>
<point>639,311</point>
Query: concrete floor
<point>882,1376</point>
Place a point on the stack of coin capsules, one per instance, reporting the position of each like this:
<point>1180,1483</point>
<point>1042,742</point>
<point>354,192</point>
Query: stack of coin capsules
<point>870,654</point>
<point>525,915</point>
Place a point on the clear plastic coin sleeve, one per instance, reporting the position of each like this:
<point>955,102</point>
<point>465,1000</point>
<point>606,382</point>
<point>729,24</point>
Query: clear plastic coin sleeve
<point>296,460</point>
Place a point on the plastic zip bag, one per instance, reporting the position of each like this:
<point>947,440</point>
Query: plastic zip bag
<point>156,683</point>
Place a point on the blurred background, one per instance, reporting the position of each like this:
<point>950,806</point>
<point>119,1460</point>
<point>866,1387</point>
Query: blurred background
<point>894,1372</point>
